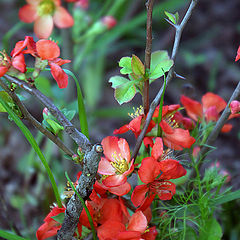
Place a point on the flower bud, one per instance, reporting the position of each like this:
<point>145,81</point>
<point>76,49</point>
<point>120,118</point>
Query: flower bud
<point>109,21</point>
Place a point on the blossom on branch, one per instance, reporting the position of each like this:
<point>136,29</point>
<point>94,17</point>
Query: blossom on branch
<point>44,14</point>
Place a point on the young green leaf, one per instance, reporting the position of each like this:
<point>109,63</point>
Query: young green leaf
<point>160,63</point>
<point>172,17</point>
<point>55,127</point>
<point>117,81</point>
<point>137,66</point>
<point>126,64</point>
<point>125,92</point>
<point>59,218</point>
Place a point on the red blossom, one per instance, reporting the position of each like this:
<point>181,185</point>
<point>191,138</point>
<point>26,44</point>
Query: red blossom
<point>109,21</point>
<point>208,110</point>
<point>45,50</point>
<point>116,164</point>
<point>44,14</point>
<point>238,54</point>
<point>235,107</point>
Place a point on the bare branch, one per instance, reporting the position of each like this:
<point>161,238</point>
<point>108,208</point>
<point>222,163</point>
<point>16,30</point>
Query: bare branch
<point>171,74</point>
<point>148,52</point>
<point>77,136</point>
<point>34,122</point>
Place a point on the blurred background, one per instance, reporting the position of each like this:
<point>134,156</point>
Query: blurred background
<point>205,58</point>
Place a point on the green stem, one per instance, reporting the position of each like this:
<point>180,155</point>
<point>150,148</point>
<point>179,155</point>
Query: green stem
<point>160,108</point>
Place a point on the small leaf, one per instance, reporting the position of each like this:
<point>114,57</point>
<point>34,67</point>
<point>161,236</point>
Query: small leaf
<point>137,66</point>
<point>126,64</point>
<point>160,63</point>
<point>212,230</point>
<point>55,126</point>
<point>59,218</point>
<point>69,114</point>
<point>125,92</point>
<point>4,95</point>
<point>117,81</point>
<point>172,17</point>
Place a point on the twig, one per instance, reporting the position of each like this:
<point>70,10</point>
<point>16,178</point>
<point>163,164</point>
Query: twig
<point>91,160</point>
<point>215,132</point>
<point>77,136</point>
<point>155,102</point>
<point>148,52</point>
<point>34,122</point>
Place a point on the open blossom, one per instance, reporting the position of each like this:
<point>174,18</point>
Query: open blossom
<point>44,50</point>
<point>116,164</point>
<point>155,174</point>
<point>208,110</point>
<point>44,14</point>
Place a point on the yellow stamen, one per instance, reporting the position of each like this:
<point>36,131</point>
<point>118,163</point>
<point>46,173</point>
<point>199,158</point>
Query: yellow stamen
<point>120,164</point>
<point>136,112</point>
<point>46,7</point>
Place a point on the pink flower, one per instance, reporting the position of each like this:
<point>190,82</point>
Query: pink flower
<point>109,21</point>
<point>116,164</point>
<point>44,14</point>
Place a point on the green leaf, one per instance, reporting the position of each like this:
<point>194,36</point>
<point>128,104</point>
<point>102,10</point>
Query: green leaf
<point>35,146</point>
<point>10,236</point>
<point>117,81</point>
<point>212,230</point>
<point>126,64</point>
<point>172,17</point>
<point>137,66</point>
<point>59,218</point>
<point>56,128</point>
<point>69,114</point>
<point>227,197</point>
<point>160,63</point>
<point>4,95</point>
<point>125,92</point>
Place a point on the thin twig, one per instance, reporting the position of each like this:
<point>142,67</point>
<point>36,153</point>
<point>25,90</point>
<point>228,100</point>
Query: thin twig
<point>148,52</point>
<point>34,122</point>
<point>77,136</point>
<point>155,102</point>
<point>215,132</point>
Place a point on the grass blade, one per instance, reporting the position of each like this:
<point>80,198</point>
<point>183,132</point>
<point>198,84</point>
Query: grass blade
<point>35,146</point>
<point>10,236</point>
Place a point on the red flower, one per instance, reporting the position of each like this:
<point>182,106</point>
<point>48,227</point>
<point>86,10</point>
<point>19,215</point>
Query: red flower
<point>166,169</point>
<point>116,164</point>
<point>5,63</point>
<point>45,50</point>
<point>136,126</point>
<point>238,54</point>
<point>44,14</point>
<point>50,226</point>
<point>209,110</point>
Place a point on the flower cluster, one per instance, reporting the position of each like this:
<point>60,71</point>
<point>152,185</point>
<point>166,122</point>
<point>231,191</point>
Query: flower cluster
<point>110,214</point>
<point>45,52</point>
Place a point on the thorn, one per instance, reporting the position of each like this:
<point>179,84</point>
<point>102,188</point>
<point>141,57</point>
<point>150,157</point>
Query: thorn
<point>179,76</point>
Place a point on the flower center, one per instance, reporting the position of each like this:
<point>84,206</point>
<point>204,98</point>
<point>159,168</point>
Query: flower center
<point>136,112</point>
<point>46,7</point>
<point>120,164</point>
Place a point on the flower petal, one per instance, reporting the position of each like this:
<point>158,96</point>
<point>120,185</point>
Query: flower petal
<point>62,18</point>
<point>43,26</point>
<point>193,108</point>
<point>124,149</point>
<point>164,189</point>
<point>105,167</point>
<point>114,180</point>
<point>18,62</point>
<point>28,13</point>
<point>47,49</point>
<point>139,194</point>
<point>171,169</point>
<point>211,99</point>
<point>157,149</point>
<point>59,75</point>
<point>120,190</point>
<point>226,128</point>
<point>110,147</point>
<point>138,222</point>
<point>148,170</point>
